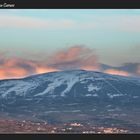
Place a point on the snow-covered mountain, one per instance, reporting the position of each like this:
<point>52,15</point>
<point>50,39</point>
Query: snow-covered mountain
<point>76,83</point>
<point>68,92</point>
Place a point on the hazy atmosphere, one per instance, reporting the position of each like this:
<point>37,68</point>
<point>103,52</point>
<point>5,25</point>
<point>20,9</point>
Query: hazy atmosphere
<point>39,41</point>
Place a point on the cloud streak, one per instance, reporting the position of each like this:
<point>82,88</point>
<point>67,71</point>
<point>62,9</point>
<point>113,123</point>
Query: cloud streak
<point>138,70</point>
<point>117,72</point>
<point>13,21</point>
<point>124,23</point>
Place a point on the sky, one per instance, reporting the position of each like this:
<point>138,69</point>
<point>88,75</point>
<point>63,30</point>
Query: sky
<point>35,41</point>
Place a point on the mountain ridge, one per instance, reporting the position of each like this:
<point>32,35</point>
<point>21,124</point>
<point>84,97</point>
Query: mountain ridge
<point>66,78</point>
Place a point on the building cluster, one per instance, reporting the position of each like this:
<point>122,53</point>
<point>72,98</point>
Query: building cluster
<point>13,126</point>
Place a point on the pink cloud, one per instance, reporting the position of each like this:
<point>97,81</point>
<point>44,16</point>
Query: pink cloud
<point>76,57</point>
<point>17,68</point>
<point>117,72</point>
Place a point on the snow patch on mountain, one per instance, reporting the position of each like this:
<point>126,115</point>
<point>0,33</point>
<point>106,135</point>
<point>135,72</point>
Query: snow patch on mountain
<point>70,83</point>
<point>115,95</point>
<point>91,87</point>
<point>18,87</point>
<point>93,95</point>
<point>67,79</point>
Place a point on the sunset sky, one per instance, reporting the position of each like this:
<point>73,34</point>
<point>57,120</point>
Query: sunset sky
<point>44,40</point>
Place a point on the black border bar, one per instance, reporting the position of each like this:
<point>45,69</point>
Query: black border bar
<point>74,4</point>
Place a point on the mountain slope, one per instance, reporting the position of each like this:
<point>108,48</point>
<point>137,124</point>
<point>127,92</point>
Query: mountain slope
<point>75,95</point>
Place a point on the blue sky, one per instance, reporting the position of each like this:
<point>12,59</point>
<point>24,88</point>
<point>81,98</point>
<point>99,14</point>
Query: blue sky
<point>113,34</point>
